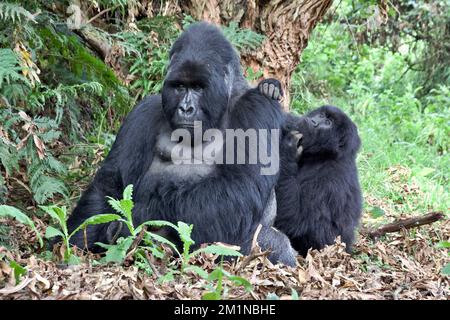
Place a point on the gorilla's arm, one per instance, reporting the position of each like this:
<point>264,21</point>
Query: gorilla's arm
<point>129,155</point>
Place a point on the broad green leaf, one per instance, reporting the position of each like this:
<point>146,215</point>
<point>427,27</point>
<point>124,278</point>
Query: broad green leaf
<point>73,260</point>
<point>443,244</point>
<point>11,212</point>
<point>167,277</point>
<point>58,214</point>
<point>220,250</point>
<point>117,253</point>
<point>97,219</point>
<point>239,281</point>
<point>128,192</point>
<point>127,207</point>
<point>196,269</point>
<point>115,204</point>
<point>19,271</point>
<point>52,232</point>
<point>156,223</point>
<point>211,296</point>
<point>376,212</point>
<point>446,269</point>
<point>161,239</point>
<point>185,231</point>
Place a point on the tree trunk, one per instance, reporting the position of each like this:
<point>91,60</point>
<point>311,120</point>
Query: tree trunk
<point>286,24</point>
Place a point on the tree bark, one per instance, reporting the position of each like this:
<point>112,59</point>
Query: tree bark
<point>286,24</point>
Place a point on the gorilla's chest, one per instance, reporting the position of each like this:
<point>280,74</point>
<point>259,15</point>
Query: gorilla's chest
<point>179,163</point>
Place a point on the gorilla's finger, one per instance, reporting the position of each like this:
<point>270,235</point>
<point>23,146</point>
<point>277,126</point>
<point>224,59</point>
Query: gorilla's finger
<point>271,89</point>
<point>265,88</point>
<point>276,94</point>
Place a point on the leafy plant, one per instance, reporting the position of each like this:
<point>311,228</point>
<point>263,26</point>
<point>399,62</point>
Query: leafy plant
<point>218,276</point>
<point>59,215</point>
<point>11,212</point>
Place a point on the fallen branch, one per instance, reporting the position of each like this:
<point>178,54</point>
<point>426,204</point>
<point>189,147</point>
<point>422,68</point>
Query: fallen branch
<point>402,224</point>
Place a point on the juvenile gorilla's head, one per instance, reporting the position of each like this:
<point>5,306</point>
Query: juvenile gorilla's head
<point>329,132</point>
<point>199,83</point>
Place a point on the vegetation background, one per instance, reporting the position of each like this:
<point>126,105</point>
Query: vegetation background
<point>70,71</point>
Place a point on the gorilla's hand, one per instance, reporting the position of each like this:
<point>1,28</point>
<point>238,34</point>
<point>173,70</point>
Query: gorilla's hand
<point>271,88</point>
<point>293,143</point>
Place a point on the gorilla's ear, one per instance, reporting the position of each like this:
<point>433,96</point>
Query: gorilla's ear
<point>229,79</point>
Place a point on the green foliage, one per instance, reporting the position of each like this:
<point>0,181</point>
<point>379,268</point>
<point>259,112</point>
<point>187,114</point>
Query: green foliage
<point>377,87</point>
<point>59,215</point>
<point>11,212</point>
<point>14,12</point>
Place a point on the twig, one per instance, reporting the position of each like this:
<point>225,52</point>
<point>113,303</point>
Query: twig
<point>102,12</point>
<point>136,242</point>
<point>402,224</point>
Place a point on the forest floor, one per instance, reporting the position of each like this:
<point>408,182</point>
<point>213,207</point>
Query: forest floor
<point>402,265</point>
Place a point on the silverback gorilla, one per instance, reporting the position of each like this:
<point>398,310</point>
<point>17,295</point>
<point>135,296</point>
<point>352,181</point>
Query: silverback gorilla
<point>318,192</point>
<point>225,202</point>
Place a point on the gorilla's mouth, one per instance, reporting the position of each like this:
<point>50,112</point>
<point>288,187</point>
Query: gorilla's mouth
<point>188,125</point>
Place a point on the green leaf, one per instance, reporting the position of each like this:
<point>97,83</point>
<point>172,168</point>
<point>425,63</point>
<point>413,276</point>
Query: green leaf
<point>73,260</point>
<point>196,269</point>
<point>376,212</point>
<point>161,239</point>
<point>8,211</point>
<point>52,232</point>
<point>443,244</point>
<point>220,250</point>
<point>239,281</point>
<point>59,215</point>
<point>211,296</point>
<point>19,271</point>
<point>294,294</point>
<point>117,253</point>
<point>167,277</point>
<point>97,219</point>
<point>156,223</point>
<point>446,269</point>
<point>128,192</point>
<point>272,296</point>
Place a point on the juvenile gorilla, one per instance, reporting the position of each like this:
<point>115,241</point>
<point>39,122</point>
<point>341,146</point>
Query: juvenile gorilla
<point>224,202</point>
<point>318,192</point>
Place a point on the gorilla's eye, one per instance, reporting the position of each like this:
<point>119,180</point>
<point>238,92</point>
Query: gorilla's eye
<point>179,88</point>
<point>197,87</point>
<point>328,122</point>
<point>322,115</point>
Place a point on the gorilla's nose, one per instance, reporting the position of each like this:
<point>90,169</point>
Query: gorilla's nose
<point>186,111</point>
<point>314,122</point>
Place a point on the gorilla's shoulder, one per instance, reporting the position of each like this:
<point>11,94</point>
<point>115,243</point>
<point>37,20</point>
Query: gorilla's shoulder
<point>149,105</point>
<point>253,110</point>
<point>144,117</point>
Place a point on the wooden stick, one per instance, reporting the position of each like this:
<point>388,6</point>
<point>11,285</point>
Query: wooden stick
<point>407,223</point>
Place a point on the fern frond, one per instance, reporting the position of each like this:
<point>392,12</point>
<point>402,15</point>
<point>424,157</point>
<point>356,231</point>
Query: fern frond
<point>10,68</point>
<point>12,11</point>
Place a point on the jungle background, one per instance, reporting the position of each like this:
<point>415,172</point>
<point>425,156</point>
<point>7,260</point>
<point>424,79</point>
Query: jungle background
<point>70,71</point>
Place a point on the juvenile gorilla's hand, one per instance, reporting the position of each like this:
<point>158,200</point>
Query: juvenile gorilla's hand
<point>271,88</point>
<point>293,143</point>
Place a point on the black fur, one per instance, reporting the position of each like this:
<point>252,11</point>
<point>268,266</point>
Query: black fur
<point>318,194</point>
<point>226,205</point>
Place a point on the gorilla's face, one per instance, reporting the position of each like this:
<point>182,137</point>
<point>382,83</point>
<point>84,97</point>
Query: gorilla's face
<point>329,131</point>
<point>191,92</point>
